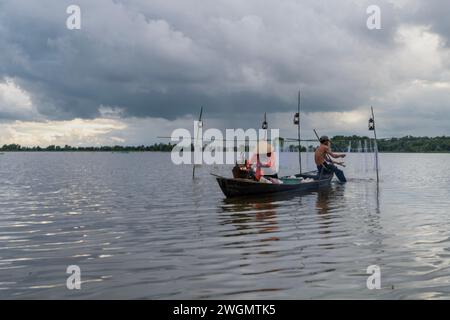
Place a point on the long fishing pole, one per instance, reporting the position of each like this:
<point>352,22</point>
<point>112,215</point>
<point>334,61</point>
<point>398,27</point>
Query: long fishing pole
<point>315,132</point>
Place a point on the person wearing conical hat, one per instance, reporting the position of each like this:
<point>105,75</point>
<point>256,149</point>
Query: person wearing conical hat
<point>263,161</point>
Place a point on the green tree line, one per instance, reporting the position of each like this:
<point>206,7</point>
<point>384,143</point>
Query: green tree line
<point>52,148</point>
<point>404,144</point>
<point>339,143</point>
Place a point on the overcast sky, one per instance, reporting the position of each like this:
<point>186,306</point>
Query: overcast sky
<point>140,68</point>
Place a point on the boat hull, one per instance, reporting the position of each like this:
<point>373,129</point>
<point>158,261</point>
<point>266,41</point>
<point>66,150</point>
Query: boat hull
<point>232,187</point>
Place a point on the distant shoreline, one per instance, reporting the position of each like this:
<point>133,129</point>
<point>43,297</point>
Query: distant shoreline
<point>145,151</point>
<point>119,149</point>
<point>407,144</point>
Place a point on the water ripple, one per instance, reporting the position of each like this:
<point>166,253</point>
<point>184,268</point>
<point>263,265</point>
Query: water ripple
<point>140,227</point>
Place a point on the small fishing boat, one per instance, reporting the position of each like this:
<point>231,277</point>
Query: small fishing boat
<point>238,187</point>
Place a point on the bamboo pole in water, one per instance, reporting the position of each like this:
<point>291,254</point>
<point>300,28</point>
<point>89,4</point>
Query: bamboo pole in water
<point>376,145</point>
<point>196,137</point>
<point>299,135</point>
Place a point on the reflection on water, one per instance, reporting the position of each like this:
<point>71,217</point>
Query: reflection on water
<point>140,227</point>
<point>252,216</point>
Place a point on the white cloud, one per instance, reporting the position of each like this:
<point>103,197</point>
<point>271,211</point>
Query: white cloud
<point>421,54</point>
<point>72,132</point>
<point>14,101</point>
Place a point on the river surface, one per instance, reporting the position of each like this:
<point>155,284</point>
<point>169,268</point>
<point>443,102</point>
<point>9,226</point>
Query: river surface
<point>139,227</point>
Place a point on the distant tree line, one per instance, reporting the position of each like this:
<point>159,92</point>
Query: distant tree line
<point>404,144</point>
<point>295,148</point>
<point>339,143</point>
<point>52,148</point>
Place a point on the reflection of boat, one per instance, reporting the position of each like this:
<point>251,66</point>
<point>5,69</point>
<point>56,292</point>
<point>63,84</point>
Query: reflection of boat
<point>235,187</point>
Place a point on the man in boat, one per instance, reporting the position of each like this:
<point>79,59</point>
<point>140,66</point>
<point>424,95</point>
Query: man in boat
<point>323,158</point>
<point>263,162</point>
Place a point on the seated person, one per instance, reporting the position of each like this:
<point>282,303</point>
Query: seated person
<point>263,165</point>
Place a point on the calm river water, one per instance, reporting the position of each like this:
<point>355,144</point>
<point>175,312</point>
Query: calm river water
<point>140,227</point>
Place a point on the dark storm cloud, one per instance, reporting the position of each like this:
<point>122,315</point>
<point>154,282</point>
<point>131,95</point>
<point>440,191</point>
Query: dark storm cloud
<point>167,58</point>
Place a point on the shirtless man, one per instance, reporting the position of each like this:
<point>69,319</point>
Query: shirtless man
<point>324,162</point>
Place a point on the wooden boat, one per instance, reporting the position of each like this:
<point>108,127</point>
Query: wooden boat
<point>237,187</point>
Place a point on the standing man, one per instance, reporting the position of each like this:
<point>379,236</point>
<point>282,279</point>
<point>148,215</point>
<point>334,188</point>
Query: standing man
<point>324,162</point>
